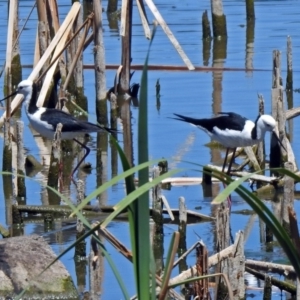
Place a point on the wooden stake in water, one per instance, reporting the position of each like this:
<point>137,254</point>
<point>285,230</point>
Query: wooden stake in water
<point>20,160</point>
<point>99,59</point>
<point>55,166</point>
<point>206,32</point>
<point>113,125</point>
<point>157,216</point>
<point>250,12</point>
<point>288,197</point>
<point>218,19</point>
<point>289,54</point>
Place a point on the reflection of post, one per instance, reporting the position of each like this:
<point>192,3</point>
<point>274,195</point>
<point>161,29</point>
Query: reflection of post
<point>219,54</point>
<point>6,166</point>
<point>206,38</point>
<point>125,114</point>
<point>249,45</point>
<point>112,14</point>
<point>112,6</point>
<point>101,169</point>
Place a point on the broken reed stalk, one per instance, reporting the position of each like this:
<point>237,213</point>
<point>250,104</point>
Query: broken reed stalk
<point>145,22</point>
<point>169,34</point>
<point>99,59</point>
<point>20,160</point>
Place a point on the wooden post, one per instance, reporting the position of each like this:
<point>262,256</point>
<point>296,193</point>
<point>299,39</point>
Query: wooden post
<point>278,112</point>
<point>250,10</point>
<point>289,54</point>
<point>182,239</point>
<point>223,241</point>
<point>7,179</point>
<point>288,197</point>
<point>261,145</point>
<point>201,287</point>
<point>206,32</point>
<point>157,216</point>
<point>55,166</point>
<point>249,45</point>
<point>113,125</point>
<point>80,248</point>
<point>99,58</point>
<point>267,288</point>
<point>206,39</point>
<point>126,28</point>
<point>237,268</point>
<point>218,19</point>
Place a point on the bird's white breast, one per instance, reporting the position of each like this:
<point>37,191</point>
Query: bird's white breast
<point>230,138</point>
<point>42,127</point>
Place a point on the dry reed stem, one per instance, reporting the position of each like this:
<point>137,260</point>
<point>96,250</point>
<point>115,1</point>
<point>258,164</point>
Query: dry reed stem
<point>142,12</point>
<point>169,34</point>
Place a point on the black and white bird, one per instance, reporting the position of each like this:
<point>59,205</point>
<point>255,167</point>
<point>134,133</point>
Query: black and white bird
<point>233,130</point>
<point>44,120</point>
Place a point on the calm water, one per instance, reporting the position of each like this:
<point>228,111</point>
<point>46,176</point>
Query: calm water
<point>182,92</point>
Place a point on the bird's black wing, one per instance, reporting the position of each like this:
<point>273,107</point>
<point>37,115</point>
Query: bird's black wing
<point>70,123</point>
<point>225,120</point>
<point>230,120</point>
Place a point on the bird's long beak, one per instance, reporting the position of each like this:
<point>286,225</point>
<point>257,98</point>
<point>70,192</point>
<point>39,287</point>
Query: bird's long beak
<point>11,95</point>
<point>279,141</point>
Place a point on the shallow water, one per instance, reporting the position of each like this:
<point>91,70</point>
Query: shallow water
<point>194,93</point>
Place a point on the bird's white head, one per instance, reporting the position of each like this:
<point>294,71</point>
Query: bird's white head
<point>25,88</point>
<point>266,123</point>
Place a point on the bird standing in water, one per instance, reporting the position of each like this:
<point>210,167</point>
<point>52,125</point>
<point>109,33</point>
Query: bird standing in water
<point>233,130</point>
<point>44,120</point>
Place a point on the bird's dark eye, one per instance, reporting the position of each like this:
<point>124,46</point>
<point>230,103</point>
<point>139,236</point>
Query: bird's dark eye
<point>20,87</point>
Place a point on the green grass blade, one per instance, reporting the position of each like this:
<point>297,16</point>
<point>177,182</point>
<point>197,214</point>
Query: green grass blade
<point>169,264</point>
<point>86,223</point>
<point>111,182</point>
<point>125,202</point>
